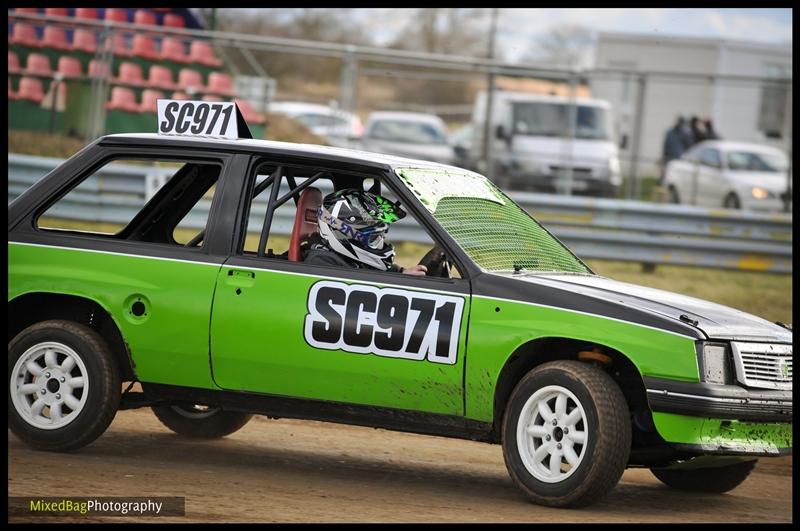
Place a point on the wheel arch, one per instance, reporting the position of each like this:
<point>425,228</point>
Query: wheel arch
<point>542,350</point>
<point>34,307</point>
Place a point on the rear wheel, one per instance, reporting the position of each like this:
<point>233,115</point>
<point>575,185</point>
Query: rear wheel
<point>200,422</point>
<point>64,385</point>
<point>716,480</point>
<point>566,434</point>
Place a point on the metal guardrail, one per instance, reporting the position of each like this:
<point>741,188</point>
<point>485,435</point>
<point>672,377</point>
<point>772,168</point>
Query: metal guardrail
<point>606,229</point>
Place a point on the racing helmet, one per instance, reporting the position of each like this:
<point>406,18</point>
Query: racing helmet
<point>353,223</point>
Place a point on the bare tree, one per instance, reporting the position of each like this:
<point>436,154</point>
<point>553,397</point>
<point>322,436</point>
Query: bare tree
<point>461,31</point>
<point>563,46</point>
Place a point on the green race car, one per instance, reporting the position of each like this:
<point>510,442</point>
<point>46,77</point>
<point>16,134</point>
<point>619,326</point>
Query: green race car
<point>200,294</point>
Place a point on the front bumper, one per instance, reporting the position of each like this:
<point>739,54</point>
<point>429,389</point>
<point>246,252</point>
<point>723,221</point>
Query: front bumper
<point>718,401</point>
<point>704,418</point>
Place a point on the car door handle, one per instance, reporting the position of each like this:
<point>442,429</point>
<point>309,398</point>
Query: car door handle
<point>240,277</point>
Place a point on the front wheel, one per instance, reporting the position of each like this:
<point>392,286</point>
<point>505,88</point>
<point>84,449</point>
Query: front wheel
<point>566,434</point>
<point>200,422</point>
<point>715,480</point>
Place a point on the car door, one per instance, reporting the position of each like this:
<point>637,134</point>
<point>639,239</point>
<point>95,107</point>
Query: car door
<point>335,334</point>
<point>710,185</point>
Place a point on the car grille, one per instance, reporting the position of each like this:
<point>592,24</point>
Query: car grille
<point>764,365</point>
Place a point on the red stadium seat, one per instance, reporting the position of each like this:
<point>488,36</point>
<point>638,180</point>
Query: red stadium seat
<point>220,83</point>
<point>24,34</point>
<point>173,50</point>
<point>202,52</point>
<point>38,64</point>
<point>86,12</point>
<point>248,113</point>
<point>32,10</point>
<point>13,63</point>
<point>212,99</point>
<point>160,77</point>
<point>84,41</point>
<point>123,99</point>
<point>30,89</point>
<point>149,98</point>
<point>172,20</point>
<point>190,79</point>
<point>116,14</point>
<point>130,74</point>
<point>69,66</point>
<point>144,17</point>
<point>99,69</point>
<point>144,46</point>
<point>178,95</point>
<point>55,37</point>
<point>13,95</point>
<point>56,11</point>
<point>118,44</point>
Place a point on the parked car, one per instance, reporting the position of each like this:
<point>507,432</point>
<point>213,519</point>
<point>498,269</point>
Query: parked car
<point>721,173</point>
<point>510,340</point>
<point>336,126</point>
<point>408,134</point>
<point>532,149</point>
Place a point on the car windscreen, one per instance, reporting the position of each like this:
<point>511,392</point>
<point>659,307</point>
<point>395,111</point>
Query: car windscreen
<point>495,232</point>
<point>750,161</point>
<point>552,119</point>
<point>407,131</point>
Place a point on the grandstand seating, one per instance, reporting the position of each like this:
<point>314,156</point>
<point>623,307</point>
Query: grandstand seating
<point>69,66</point>
<point>147,65</point>
<point>13,63</point>
<point>122,98</point>
<point>55,37</point>
<point>173,50</point>
<point>149,98</point>
<point>30,89</point>
<point>38,65</point>
<point>160,77</point>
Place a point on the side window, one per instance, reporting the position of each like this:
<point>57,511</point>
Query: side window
<point>158,201</point>
<point>409,238</point>
<point>710,157</point>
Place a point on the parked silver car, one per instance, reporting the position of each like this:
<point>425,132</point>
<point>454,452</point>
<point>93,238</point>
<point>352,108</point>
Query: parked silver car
<point>408,134</point>
<point>720,173</point>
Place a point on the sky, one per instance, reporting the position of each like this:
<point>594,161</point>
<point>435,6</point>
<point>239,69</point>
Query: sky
<point>518,28</point>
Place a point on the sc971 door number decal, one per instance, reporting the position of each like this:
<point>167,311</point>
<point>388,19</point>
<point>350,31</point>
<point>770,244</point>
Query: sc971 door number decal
<point>388,322</point>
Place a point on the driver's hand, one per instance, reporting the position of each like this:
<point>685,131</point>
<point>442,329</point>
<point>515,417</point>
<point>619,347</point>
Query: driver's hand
<point>418,270</point>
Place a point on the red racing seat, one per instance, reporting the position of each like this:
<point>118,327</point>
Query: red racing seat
<point>305,221</point>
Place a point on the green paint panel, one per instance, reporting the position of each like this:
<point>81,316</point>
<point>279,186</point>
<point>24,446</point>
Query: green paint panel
<point>494,336</point>
<point>170,343</point>
<point>729,434</point>
<point>258,344</point>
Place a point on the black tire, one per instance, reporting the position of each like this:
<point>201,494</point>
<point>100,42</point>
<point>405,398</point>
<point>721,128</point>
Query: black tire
<point>673,197</point>
<point>189,421</point>
<point>732,201</point>
<point>715,480</point>
<point>102,388</point>
<point>607,423</point>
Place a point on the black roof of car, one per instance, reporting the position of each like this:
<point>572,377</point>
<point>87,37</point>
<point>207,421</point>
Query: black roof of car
<point>274,147</point>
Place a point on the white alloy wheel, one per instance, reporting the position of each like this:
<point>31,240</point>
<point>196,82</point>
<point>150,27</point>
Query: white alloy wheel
<point>49,385</point>
<point>552,434</point>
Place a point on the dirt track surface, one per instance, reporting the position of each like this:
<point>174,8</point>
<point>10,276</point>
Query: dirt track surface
<point>300,471</point>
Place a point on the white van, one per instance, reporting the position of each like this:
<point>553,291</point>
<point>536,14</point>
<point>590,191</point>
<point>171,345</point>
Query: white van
<point>532,149</point>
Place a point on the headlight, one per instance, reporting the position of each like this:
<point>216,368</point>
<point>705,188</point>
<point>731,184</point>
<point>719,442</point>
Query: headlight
<point>613,170</point>
<point>760,193</point>
<point>715,363</point>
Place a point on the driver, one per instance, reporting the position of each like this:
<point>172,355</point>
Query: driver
<point>352,233</point>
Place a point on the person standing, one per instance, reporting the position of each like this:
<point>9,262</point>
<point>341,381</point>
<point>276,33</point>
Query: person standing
<point>676,143</point>
<point>698,131</point>
<point>711,133</point>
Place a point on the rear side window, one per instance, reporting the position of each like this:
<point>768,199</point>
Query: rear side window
<point>160,201</point>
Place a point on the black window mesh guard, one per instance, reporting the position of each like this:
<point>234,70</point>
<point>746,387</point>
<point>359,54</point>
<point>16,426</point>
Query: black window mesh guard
<point>503,237</point>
